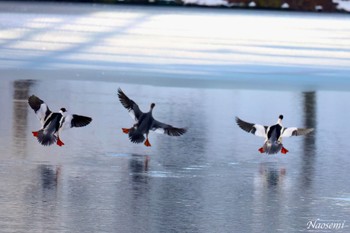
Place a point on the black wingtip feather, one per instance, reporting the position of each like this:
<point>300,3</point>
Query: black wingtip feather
<point>124,100</point>
<point>35,102</point>
<point>80,121</point>
<point>301,131</point>
<point>248,127</point>
<point>175,131</point>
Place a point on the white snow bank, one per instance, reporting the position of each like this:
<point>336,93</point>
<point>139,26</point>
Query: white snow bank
<point>343,5</point>
<point>207,2</point>
<point>285,6</point>
<point>252,4</point>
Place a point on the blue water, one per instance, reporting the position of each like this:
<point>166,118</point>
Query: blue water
<point>212,179</point>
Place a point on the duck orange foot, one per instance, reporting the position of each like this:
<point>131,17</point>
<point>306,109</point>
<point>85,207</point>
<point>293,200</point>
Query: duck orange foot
<point>284,150</point>
<point>261,150</point>
<point>59,142</point>
<point>35,134</point>
<point>147,143</point>
<point>125,130</point>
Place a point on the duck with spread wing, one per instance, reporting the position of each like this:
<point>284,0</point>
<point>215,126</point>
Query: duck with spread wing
<point>273,134</point>
<point>52,123</point>
<point>144,122</point>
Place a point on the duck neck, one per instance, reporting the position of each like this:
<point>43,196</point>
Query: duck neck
<point>279,121</point>
<point>151,108</point>
<point>64,114</point>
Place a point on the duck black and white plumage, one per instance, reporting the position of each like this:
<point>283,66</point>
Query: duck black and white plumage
<point>144,122</point>
<point>273,134</point>
<point>54,122</point>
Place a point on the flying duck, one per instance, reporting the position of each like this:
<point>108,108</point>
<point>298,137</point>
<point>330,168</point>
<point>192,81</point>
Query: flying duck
<point>273,134</point>
<point>144,122</point>
<point>54,122</point>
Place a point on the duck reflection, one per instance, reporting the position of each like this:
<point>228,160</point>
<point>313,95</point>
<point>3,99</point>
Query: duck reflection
<point>138,166</point>
<point>271,174</point>
<point>49,176</point>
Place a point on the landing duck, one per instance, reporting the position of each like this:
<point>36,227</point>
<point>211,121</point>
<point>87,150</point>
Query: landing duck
<point>144,122</point>
<point>273,134</point>
<point>52,123</point>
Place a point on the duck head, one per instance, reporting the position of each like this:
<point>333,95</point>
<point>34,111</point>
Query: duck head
<point>63,111</point>
<point>152,106</point>
<point>280,118</point>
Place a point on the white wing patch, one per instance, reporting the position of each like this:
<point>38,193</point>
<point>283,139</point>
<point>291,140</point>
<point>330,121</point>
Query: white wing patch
<point>132,114</point>
<point>41,113</point>
<point>159,130</point>
<point>67,122</point>
<point>289,132</point>
<point>260,130</point>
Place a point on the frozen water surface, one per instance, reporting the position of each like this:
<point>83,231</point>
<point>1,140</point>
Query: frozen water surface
<point>202,68</point>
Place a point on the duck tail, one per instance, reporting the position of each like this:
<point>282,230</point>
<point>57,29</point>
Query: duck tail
<point>46,139</point>
<point>272,148</point>
<point>135,136</point>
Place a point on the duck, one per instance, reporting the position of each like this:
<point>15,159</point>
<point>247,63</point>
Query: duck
<point>52,123</point>
<point>144,122</point>
<point>273,134</point>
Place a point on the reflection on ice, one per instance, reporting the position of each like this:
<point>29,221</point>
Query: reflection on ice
<point>162,174</point>
<point>346,199</point>
<point>50,176</point>
<point>272,174</point>
<point>214,167</point>
<point>197,167</point>
<point>21,89</point>
<point>118,154</point>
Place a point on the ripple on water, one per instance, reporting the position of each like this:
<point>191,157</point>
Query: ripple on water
<point>162,174</point>
<point>340,201</point>
<point>127,155</point>
<point>233,163</point>
<point>196,167</point>
<point>112,154</point>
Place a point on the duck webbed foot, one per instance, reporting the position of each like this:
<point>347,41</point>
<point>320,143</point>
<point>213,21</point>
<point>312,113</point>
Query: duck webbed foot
<point>147,143</point>
<point>59,142</point>
<point>261,150</point>
<point>284,150</point>
<point>35,133</point>
<point>125,130</point>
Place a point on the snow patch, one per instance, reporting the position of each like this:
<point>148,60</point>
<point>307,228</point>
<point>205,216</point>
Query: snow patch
<point>207,2</point>
<point>343,5</point>
<point>252,4</point>
<point>285,6</point>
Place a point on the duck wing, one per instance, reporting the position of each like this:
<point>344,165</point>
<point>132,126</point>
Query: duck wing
<point>74,120</point>
<point>257,130</point>
<point>40,108</point>
<point>130,105</point>
<point>294,131</point>
<point>162,128</point>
